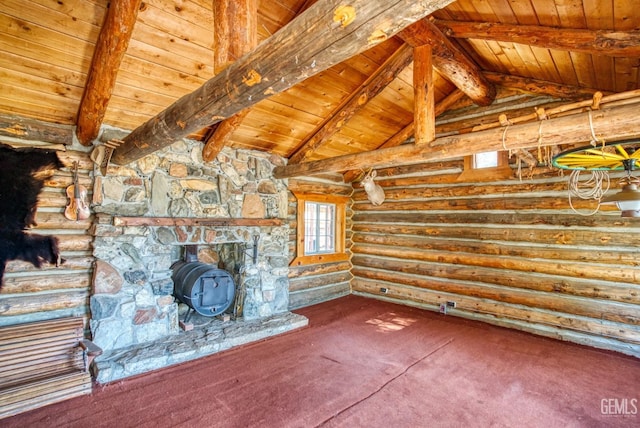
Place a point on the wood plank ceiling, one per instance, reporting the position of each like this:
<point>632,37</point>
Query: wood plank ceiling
<point>568,47</point>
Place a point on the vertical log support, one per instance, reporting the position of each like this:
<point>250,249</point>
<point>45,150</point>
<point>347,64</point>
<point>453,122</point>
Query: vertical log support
<point>423,98</point>
<point>111,46</point>
<point>236,33</point>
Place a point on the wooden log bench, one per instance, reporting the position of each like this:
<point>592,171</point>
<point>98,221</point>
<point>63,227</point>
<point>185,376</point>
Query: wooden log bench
<point>42,363</point>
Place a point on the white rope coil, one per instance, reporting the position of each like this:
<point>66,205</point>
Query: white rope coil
<point>593,188</point>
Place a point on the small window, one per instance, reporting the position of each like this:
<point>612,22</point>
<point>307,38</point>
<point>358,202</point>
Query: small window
<point>485,160</point>
<point>486,166</point>
<point>320,229</point>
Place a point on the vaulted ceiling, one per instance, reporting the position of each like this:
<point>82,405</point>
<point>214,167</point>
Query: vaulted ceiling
<point>562,48</point>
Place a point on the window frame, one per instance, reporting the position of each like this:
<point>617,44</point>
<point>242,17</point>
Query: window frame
<point>339,253</point>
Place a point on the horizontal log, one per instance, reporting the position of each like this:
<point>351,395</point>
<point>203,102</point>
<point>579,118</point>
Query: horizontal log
<point>301,186</point>
<point>35,130</point>
<point>32,303</point>
<point>317,269</point>
<point>318,281</point>
<point>565,269</point>
<point>536,320</point>
<point>599,310</point>
<point>74,242</point>
<point>540,87</point>
<point>512,203</point>
<point>57,220</point>
<point>503,219</point>
<point>70,263</point>
<point>614,123</point>
<point>37,283</point>
<point>300,299</point>
<point>614,256</point>
<point>397,194</point>
<point>52,199</point>
<point>539,235</point>
<point>189,221</point>
<point>601,42</point>
<point>595,289</point>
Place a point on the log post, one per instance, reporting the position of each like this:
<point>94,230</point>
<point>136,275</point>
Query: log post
<point>423,98</point>
<point>235,34</point>
<point>326,34</point>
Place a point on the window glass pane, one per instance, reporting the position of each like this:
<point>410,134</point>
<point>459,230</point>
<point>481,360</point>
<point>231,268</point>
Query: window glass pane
<point>319,226</point>
<point>485,160</point>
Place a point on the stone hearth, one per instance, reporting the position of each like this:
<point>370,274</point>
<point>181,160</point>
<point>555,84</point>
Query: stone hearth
<point>134,316</point>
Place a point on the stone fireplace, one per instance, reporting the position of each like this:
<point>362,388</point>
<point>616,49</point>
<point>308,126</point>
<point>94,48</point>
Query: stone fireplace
<point>147,213</point>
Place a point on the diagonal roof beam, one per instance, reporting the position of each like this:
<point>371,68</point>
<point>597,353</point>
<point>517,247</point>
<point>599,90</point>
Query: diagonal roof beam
<point>602,42</point>
<point>111,46</point>
<point>407,132</point>
<point>451,62</point>
<point>326,34</point>
<point>355,102</point>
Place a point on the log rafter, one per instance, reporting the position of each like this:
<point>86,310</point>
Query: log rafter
<point>610,43</point>
<point>111,46</point>
<point>451,61</point>
<point>328,33</point>
<point>355,102</point>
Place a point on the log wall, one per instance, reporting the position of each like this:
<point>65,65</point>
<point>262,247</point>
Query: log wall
<point>31,294</point>
<point>310,284</point>
<point>509,253</point>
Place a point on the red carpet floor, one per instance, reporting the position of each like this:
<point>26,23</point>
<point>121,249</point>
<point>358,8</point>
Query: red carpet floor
<point>365,363</point>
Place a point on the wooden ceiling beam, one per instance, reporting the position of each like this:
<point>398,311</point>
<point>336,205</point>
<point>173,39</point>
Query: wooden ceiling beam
<point>614,123</point>
<point>451,61</point>
<point>235,34</point>
<point>540,87</point>
<point>601,42</point>
<point>355,102</point>
<point>111,46</point>
<point>326,34</point>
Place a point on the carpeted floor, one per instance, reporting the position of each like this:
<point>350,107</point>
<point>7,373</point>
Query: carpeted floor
<point>366,363</point>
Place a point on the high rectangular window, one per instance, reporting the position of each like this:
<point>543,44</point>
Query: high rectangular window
<point>320,228</point>
<point>485,160</point>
